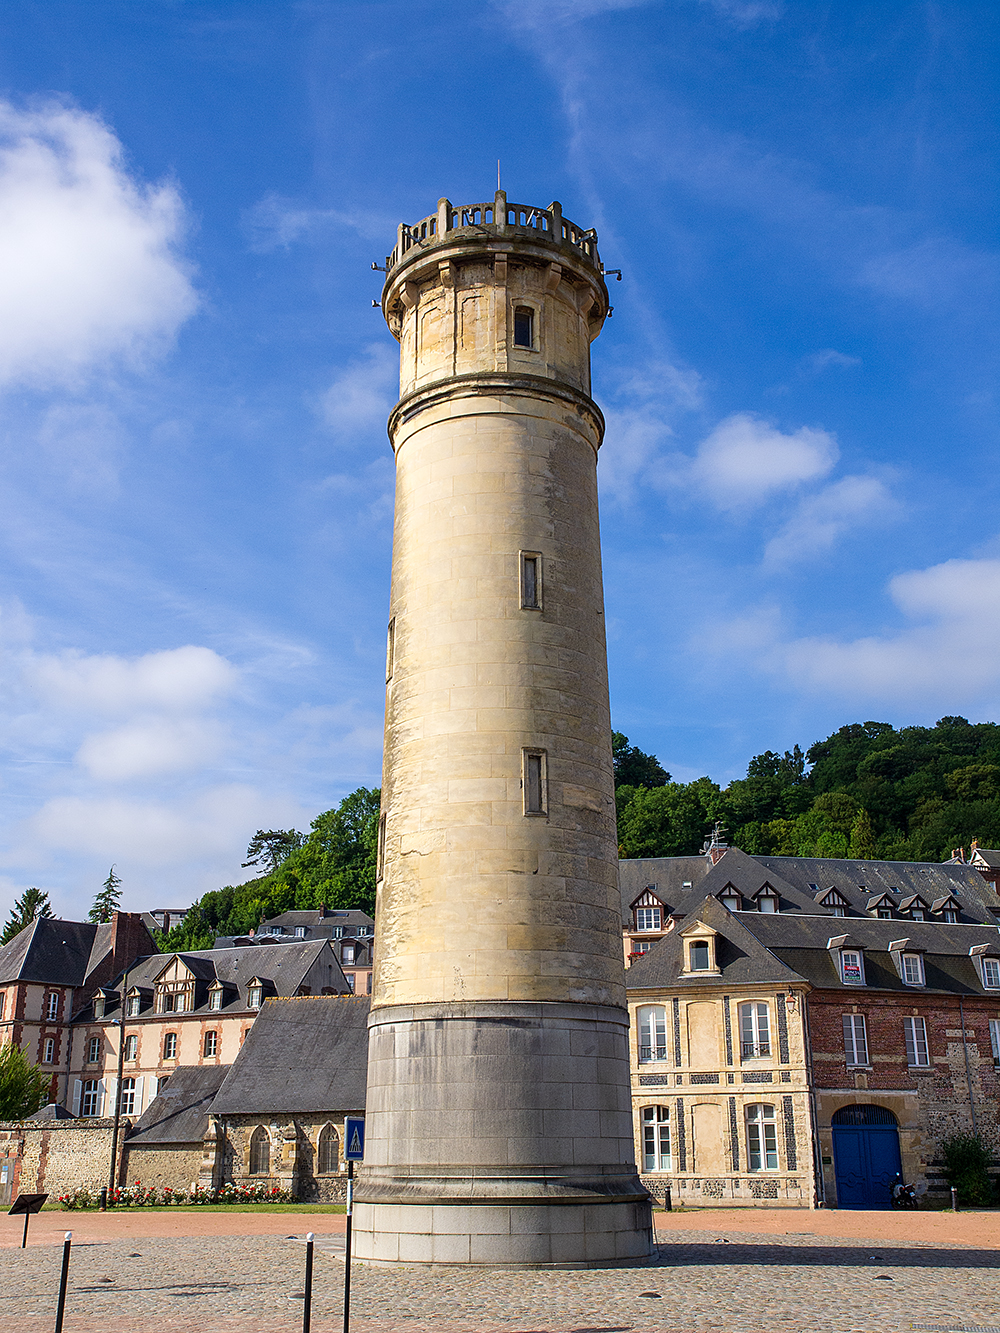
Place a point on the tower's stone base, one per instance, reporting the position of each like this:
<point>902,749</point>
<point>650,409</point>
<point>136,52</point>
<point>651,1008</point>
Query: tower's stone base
<point>543,1235</point>
<point>500,1133</point>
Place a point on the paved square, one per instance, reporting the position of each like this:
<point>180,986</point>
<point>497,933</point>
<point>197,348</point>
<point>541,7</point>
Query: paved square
<point>724,1278</point>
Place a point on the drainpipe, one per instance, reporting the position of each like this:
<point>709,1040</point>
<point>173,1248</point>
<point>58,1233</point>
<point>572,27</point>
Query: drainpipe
<point>968,1075</point>
<point>820,1192</point>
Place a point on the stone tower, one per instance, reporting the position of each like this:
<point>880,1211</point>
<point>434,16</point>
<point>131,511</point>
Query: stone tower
<point>499,1125</point>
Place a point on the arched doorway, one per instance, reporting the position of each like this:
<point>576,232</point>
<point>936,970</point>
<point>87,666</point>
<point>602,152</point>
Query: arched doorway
<point>865,1155</point>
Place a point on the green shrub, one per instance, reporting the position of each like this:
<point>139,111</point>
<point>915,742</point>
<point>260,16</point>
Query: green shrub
<point>966,1157</point>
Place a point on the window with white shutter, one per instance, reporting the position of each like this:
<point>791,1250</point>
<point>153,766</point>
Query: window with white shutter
<point>755,1031</point>
<point>652,1033</point>
<point>77,1095</point>
<point>855,1039</point>
<point>915,1032</point>
<point>995,1039</point>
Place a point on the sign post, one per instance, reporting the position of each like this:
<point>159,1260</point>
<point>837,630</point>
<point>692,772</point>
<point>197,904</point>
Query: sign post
<point>354,1151</point>
<point>26,1204</point>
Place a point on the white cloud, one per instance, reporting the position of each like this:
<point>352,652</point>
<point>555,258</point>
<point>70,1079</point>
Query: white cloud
<point>91,271</point>
<point>149,834</point>
<point>746,460</point>
<point>635,452</point>
<point>361,397</point>
<point>746,13</point>
<point>948,658</point>
<point>820,361</point>
<point>822,519</point>
<point>275,223</point>
<point>175,680</point>
<point>146,748</point>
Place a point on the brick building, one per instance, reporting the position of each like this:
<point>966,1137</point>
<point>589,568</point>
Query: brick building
<point>877,984</point>
<point>186,1009</point>
<point>48,973</point>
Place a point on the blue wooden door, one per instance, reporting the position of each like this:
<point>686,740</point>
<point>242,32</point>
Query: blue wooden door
<point>866,1162</point>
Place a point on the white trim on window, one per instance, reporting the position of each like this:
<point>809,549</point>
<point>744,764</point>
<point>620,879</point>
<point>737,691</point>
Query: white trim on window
<point>855,1040</point>
<point>762,1137</point>
<point>656,1155</point>
<point>755,1030</point>
<point>995,1039</point>
<point>912,969</point>
<point>852,967</point>
<point>651,1021</point>
<point>990,972</point>
<point>915,1034</point>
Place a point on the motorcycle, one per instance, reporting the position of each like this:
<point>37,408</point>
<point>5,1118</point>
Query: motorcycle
<point>903,1195</point>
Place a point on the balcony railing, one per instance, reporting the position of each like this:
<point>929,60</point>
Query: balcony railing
<point>652,1053</point>
<point>496,213</point>
<point>751,1050</point>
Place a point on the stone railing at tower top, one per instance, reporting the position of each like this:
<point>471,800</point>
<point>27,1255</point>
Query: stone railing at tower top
<point>498,215</point>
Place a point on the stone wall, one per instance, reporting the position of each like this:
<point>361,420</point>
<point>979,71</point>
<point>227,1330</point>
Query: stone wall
<point>59,1156</point>
<point>293,1143</point>
<point>177,1165</point>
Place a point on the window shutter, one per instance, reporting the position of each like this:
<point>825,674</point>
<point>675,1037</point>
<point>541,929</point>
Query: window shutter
<point>138,1096</point>
<point>106,1096</point>
<point>77,1094</point>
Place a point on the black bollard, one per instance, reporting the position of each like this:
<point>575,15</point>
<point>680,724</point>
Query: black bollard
<point>667,1201</point>
<point>954,1199</point>
<point>307,1307</point>
<point>63,1279</point>
<point>104,1198</point>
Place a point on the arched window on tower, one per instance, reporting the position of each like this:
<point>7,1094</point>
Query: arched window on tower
<point>328,1151</point>
<point>260,1152</point>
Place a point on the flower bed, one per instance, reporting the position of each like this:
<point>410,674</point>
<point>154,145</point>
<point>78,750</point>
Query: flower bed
<point>138,1195</point>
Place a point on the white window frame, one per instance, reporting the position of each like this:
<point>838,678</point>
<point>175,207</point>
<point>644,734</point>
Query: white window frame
<point>731,899</point>
<point>171,1038</point>
<point>700,944</point>
<point>855,1040</point>
<point>93,1050</point>
<point>49,1051</point>
<point>990,972</point>
<point>769,896</point>
<point>648,918</point>
<point>995,1039</point>
<point>915,1036</point>
<point>132,1046</point>
<point>215,999</point>
<point>911,969</point>
<point>347,952</point>
<point>300,932</point>
<point>762,1137</point>
<point>52,1007</point>
<point>214,1035</point>
<point>90,1101</point>
<point>255,997</point>
<point>755,1029</point>
<point>133,1006</point>
<point>656,1146</point>
<point>852,953</point>
<point>651,1024</point>
<point>127,1096</point>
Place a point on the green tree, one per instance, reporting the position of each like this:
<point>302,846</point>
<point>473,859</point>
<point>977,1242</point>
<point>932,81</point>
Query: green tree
<point>106,902</point>
<point>966,1158</point>
<point>633,768</point>
<point>667,821</point>
<point>31,904</point>
<point>862,846</point>
<point>24,1088</point>
<point>272,848</point>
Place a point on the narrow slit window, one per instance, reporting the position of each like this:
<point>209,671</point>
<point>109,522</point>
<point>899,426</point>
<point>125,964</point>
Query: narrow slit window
<point>531,581</point>
<point>534,782</point>
<point>390,649</point>
<point>380,851</point>
<point>524,326</point>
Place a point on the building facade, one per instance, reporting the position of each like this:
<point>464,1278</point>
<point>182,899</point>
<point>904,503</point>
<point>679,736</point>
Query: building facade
<point>351,932</point>
<point>185,1010</point>
<point>48,974</point>
<point>859,1000</point>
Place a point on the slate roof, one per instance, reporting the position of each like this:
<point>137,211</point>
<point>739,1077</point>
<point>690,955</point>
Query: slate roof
<point>51,951</point>
<point>301,1056</point>
<point>317,923</point>
<point>285,969</point>
<point>179,1112</point>
<point>801,944</point>
<point>860,881</point>
<point>53,1111</point>
<point>665,875</point>
<point>990,855</point>
<point>741,957</point>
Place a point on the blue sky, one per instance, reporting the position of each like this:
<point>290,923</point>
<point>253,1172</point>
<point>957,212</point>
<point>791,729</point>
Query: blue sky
<point>799,478</point>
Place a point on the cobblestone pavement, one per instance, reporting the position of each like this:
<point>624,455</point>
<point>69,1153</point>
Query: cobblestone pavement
<point>703,1281</point>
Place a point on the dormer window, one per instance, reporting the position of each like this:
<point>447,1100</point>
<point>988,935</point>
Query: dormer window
<point>648,918</point>
<point>835,903</point>
<point>766,899</point>
<point>215,998</point>
<point>100,1004</point>
<point>947,909</point>
<point>699,956</point>
<point>730,898</point>
<point>916,914</point>
<point>852,967</point>
<point>991,973</point>
<point>913,969</point>
<point>300,932</point>
<point>255,994</point>
<point>338,932</point>
<point>884,913</point>
<point>134,1006</point>
<point>364,930</point>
